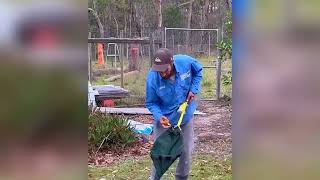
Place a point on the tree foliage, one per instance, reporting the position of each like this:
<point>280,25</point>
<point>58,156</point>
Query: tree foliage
<point>225,46</point>
<point>173,17</point>
<point>139,17</point>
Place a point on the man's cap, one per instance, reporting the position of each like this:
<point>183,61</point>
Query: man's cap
<point>161,60</point>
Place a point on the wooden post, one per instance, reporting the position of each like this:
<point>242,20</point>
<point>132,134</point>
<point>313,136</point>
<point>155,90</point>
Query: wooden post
<point>121,60</point>
<point>172,36</point>
<point>162,39</point>
<point>151,49</point>
<point>218,65</point>
<point>122,80</point>
<point>127,50</point>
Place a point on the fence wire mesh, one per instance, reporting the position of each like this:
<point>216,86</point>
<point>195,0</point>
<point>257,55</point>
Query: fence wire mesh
<point>202,45</point>
<point>193,42</point>
<point>137,61</point>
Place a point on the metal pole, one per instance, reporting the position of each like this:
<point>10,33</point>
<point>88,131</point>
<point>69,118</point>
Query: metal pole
<point>188,29</point>
<point>122,80</point>
<point>165,37</point>
<point>222,32</point>
<point>89,59</point>
<point>121,61</point>
<point>115,54</point>
<point>127,50</point>
<point>121,45</point>
<point>162,39</point>
<point>209,46</point>
<point>218,90</point>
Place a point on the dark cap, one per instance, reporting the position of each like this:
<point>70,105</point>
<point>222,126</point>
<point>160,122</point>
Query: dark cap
<point>161,60</point>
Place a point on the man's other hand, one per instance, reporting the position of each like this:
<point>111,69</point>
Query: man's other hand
<point>190,97</point>
<point>165,122</point>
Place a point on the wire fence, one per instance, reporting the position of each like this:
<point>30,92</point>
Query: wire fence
<point>126,61</point>
<point>195,42</point>
<point>202,44</point>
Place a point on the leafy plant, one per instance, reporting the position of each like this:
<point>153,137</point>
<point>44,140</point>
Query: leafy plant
<point>225,46</point>
<point>227,79</point>
<point>109,131</point>
<point>172,17</point>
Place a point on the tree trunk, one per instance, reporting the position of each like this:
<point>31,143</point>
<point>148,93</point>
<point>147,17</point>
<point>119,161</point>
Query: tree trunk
<point>206,23</point>
<point>117,25</point>
<point>101,30</point>
<point>95,14</point>
<point>130,19</point>
<point>135,20</point>
<point>206,13</point>
<point>189,26</point>
<point>229,3</point>
<point>158,5</point>
<point>125,26</point>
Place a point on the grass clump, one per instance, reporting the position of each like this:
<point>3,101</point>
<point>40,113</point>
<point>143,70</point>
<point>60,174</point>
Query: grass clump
<point>109,131</point>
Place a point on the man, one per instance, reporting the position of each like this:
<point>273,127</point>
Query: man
<point>171,81</point>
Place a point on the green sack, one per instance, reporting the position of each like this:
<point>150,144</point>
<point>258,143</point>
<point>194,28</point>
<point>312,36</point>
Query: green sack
<point>166,149</point>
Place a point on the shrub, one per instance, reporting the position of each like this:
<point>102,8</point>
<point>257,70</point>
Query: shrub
<point>109,131</point>
<point>227,78</point>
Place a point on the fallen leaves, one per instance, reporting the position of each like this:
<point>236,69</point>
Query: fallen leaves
<point>107,158</point>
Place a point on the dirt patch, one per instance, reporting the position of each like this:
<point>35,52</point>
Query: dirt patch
<point>146,119</point>
<point>213,130</point>
<point>212,135</point>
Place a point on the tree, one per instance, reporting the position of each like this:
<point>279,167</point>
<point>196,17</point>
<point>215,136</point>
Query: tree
<point>172,17</point>
<point>159,12</point>
<point>229,2</point>
<point>139,17</point>
<point>95,14</point>
<point>189,24</point>
<point>225,46</point>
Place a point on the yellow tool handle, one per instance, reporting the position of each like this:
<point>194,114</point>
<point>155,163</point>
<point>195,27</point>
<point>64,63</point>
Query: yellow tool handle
<point>183,108</point>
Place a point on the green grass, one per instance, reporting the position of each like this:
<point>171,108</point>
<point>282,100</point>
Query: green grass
<point>203,167</point>
<point>209,82</point>
<point>136,83</point>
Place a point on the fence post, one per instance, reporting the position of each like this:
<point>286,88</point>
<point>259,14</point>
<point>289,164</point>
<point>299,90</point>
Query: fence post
<point>218,65</point>
<point>121,60</point>
<point>151,48</point>
<point>89,59</point>
<point>165,37</point>
<point>209,45</point>
<point>162,39</point>
<point>172,36</point>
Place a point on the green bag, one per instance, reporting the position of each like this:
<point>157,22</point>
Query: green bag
<point>168,147</point>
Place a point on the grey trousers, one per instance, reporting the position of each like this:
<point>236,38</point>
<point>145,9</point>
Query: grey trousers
<point>183,167</point>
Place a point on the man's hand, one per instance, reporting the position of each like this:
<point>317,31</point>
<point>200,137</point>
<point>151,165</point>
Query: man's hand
<point>165,122</point>
<point>190,97</point>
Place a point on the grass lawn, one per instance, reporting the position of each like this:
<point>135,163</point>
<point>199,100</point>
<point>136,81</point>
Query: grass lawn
<point>136,83</point>
<point>203,167</point>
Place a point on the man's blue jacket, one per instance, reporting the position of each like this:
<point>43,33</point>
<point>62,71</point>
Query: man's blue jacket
<point>163,97</point>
